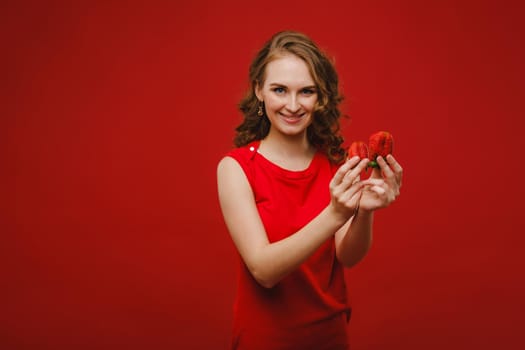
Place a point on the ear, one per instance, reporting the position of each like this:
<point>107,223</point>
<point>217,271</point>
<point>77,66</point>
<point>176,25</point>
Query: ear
<point>258,91</point>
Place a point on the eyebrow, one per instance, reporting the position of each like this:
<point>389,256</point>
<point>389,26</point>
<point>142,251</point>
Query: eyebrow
<point>283,85</point>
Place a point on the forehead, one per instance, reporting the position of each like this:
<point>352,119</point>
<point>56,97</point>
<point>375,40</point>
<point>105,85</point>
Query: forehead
<point>288,70</point>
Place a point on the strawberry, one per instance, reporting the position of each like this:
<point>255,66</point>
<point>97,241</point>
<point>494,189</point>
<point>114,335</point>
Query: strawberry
<point>358,148</point>
<point>380,144</point>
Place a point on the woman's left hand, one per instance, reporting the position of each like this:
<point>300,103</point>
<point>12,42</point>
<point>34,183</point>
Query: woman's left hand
<point>383,186</point>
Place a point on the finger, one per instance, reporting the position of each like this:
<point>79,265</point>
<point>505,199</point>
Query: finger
<point>343,170</point>
<point>393,163</point>
<point>379,183</point>
<point>377,189</point>
<point>387,173</point>
<point>376,173</point>
<point>385,168</point>
<point>352,195</point>
<point>353,202</point>
<point>373,182</point>
<point>353,175</point>
<point>398,170</point>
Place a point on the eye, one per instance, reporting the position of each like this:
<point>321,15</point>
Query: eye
<point>308,91</point>
<point>279,90</point>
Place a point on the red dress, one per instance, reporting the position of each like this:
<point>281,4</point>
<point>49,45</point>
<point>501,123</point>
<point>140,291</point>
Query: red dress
<point>307,309</point>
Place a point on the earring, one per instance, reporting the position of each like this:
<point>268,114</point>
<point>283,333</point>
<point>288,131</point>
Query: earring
<point>260,109</point>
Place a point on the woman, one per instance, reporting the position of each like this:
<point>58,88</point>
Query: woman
<point>295,207</point>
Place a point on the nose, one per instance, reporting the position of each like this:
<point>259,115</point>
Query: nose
<point>293,105</point>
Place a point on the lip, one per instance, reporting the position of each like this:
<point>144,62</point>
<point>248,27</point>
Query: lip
<point>292,119</point>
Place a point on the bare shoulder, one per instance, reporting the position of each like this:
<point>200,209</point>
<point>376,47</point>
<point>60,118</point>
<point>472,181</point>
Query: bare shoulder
<point>229,169</point>
<point>239,210</point>
<point>231,179</point>
<point>228,165</point>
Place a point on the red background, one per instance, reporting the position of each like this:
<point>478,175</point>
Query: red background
<point>116,114</point>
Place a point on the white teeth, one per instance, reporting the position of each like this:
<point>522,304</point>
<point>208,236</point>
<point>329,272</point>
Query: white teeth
<point>292,116</point>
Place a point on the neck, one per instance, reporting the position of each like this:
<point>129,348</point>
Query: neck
<point>286,145</point>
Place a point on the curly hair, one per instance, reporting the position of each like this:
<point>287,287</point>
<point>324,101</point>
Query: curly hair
<point>323,132</point>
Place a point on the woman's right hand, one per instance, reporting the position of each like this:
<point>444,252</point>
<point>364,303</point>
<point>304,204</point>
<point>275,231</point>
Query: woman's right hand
<point>346,187</point>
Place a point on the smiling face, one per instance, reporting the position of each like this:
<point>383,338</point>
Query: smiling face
<point>289,94</point>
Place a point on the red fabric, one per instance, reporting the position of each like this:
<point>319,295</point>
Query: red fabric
<point>308,308</point>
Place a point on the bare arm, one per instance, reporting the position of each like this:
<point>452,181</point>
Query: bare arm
<point>270,262</point>
<point>354,239</point>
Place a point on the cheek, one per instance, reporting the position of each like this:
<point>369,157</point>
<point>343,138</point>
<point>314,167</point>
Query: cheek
<point>310,104</point>
<point>273,102</point>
